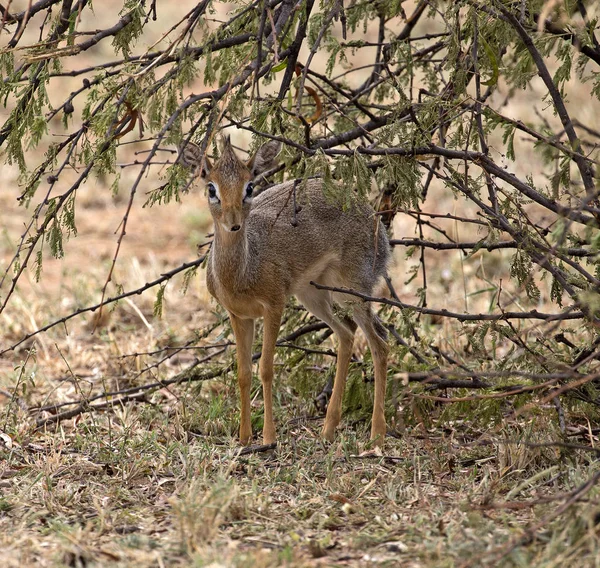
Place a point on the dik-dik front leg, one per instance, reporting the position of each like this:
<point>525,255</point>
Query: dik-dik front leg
<point>272,322</point>
<point>243,330</point>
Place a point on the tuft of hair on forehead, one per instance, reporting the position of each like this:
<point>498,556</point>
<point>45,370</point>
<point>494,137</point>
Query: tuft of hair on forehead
<point>229,166</point>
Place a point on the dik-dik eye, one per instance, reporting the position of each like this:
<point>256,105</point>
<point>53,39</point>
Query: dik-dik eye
<point>249,190</point>
<point>212,193</point>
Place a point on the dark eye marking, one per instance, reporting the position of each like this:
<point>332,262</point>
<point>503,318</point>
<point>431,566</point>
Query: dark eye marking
<point>212,190</point>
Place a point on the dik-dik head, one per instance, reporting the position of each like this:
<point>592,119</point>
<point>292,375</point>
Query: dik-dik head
<point>230,181</point>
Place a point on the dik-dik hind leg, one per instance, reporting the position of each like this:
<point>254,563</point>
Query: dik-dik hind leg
<point>377,338</point>
<point>320,305</point>
<point>345,335</point>
<point>244,335</point>
<point>272,322</point>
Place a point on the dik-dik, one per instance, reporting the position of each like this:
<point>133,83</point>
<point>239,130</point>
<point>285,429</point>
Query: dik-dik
<point>264,251</point>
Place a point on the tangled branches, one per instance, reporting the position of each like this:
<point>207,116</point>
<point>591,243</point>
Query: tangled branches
<point>467,124</point>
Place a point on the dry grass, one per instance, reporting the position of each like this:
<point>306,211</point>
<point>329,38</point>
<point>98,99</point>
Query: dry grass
<point>161,482</point>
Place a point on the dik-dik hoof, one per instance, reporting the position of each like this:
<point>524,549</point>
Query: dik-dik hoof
<point>245,436</point>
<point>378,436</point>
<point>328,433</point>
<point>269,436</point>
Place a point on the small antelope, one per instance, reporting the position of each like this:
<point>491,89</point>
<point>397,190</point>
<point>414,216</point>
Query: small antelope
<point>264,251</point>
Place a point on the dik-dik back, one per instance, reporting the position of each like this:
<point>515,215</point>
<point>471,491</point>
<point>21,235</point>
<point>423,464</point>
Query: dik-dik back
<point>271,246</point>
<point>295,235</point>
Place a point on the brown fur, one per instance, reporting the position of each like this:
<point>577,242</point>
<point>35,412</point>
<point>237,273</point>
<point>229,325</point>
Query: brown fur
<point>276,253</point>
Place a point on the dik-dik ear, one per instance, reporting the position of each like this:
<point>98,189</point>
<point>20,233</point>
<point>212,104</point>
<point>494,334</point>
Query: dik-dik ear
<point>191,156</point>
<point>264,159</point>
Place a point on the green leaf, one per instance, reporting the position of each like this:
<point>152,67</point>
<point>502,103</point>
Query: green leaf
<point>493,61</point>
<point>280,67</point>
<point>158,303</point>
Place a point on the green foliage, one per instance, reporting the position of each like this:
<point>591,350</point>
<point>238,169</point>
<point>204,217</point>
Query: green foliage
<point>521,270</point>
<point>157,309</point>
<point>124,39</point>
<point>188,277</point>
<point>177,181</point>
<point>403,175</point>
<point>556,292</point>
